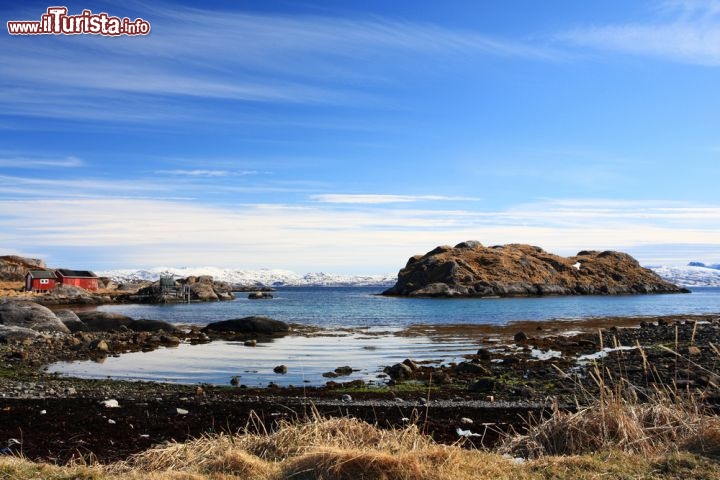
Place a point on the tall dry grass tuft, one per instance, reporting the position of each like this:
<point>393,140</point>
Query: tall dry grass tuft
<point>332,448</point>
<point>615,418</point>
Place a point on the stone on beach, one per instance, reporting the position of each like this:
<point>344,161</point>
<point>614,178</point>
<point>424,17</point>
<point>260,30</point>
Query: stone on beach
<point>104,321</point>
<point>254,324</point>
<point>21,313</point>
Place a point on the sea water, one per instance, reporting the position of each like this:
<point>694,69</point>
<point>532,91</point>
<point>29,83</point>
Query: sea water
<point>362,330</point>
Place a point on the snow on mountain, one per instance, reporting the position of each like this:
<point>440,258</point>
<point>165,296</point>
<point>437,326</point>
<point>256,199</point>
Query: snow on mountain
<point>689,276</point>
<point>266,277</point>
<point>686,276</point>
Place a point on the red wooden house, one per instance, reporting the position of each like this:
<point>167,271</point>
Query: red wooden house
<point>40,281</point>
<point>78,278</point>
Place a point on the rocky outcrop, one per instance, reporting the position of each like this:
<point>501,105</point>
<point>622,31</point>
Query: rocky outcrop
<point>256,325</point>
<point>471,270</point>
<point>14,268</point>
<point>260,296</point>
<point>71,320</point>
<point>104,321</point>
<point>25,314</point>
<point>71,295</point>
<point>195,289</point>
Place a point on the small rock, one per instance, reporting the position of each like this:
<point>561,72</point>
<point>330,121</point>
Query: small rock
<point>346,370</point>
<point>330,375</point>
<point>472,368</point>
<point>99,345</point>
<point>250,343</point>
<point>482,385</point>
<point>484,354</point>
<point>346,398</point>
<point>70,391</point>
<point>235,381</point>
<point>280,369</point>
<point>520,337</point>
<point>413,366</point>
<point>398,371</point>
<point>181,411</point>
<point>526,391</point>
<point>110,403</point>
<point>693,350</point>
<point>43,412</point>
<point>111,421</point>
<point>170,340</point>
<point>466,421</point>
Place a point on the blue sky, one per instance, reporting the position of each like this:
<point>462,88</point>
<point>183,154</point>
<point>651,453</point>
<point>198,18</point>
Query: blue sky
<point>347,136</point>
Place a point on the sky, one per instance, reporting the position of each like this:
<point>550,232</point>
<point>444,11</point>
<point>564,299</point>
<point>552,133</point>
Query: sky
<point>347,136</point>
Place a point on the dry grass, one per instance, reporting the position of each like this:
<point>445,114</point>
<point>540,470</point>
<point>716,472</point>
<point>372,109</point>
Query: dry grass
<point>669,420</point>
<point>338,449</point>
<point>335,448</point>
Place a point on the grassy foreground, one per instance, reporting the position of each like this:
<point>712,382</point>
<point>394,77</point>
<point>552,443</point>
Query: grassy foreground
<point>617,439</point>
<point>619,434</point>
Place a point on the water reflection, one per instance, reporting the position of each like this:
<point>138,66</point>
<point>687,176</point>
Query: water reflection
<point>306,358</point>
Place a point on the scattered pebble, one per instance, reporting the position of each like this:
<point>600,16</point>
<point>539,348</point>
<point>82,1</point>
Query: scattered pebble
<point>110,403</point>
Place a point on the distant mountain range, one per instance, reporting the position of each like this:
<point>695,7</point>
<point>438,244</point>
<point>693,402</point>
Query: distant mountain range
<point>265,277</point>
<point>695,274</point>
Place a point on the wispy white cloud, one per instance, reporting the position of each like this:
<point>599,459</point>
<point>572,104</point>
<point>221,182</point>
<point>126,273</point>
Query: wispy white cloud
<point>321,236</point>
<point>40,187</point>
<point>688,33</point>
<point>211,55</point>
<point>381,199</point>
<point>195,173</point>
<point>207,173</point>
<point>39,162</point>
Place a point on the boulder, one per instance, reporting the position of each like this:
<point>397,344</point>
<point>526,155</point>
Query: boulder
<point>471,270</point>
<point>472,369</point>
<point>258,325</point>
<point>70,295</point>
<point>145,325</point>
<point>104,321</point>
<point>71,320</point>
<point>203,291</point>
<point>399,371</point>
<point>12,334</point>
<point>20,313</point>
<point>260,296</point>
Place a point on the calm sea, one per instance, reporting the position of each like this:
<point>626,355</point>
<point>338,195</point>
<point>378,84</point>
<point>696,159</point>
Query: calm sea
<point>377,339</point>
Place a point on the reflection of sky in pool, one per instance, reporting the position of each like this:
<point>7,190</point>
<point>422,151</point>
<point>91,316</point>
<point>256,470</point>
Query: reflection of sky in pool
<point>307,358</point>
<point>380,318</point>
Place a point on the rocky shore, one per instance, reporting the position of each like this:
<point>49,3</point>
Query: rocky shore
<point>515,372</point>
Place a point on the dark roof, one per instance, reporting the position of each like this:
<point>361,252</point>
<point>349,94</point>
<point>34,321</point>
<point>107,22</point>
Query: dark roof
<point>42,274</point>
<point>76,273</point>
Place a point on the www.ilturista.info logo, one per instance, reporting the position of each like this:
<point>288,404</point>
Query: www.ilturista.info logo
<point>57,22</point>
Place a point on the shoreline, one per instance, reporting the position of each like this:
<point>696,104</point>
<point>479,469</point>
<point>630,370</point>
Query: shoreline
<point>59,417</point>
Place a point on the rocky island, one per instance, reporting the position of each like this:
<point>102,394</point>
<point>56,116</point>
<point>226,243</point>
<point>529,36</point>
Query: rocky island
<point>470,269</point>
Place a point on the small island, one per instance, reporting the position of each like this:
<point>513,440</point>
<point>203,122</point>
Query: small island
<point>470,269</point>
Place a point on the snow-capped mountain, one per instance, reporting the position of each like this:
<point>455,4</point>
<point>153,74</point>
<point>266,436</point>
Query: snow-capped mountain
<point>686,276</point>
<point>690,275</point>
<point>266,277</point>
